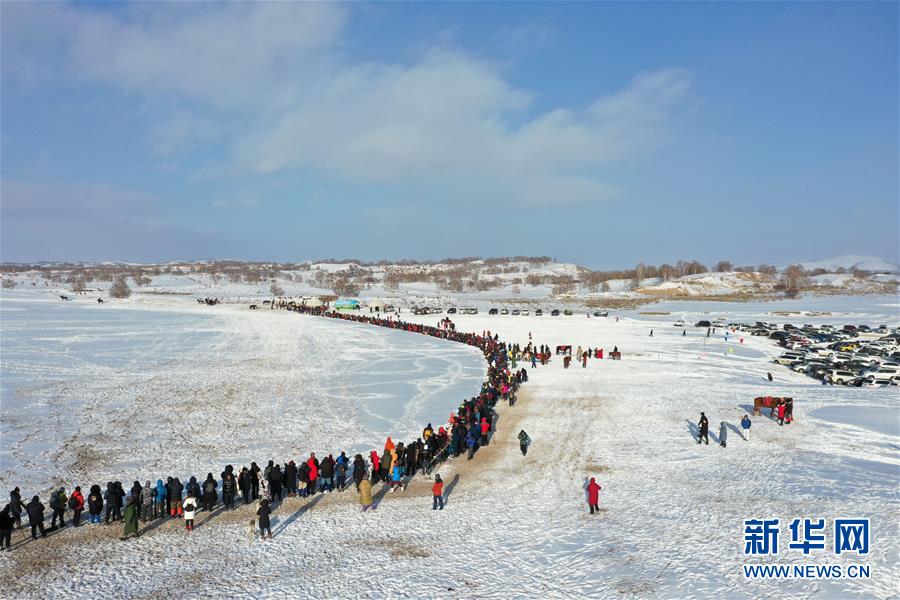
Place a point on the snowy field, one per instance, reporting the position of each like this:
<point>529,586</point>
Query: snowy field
<point>672,515</point>
<point>94,392</point>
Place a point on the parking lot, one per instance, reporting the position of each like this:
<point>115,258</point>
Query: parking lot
<point>857,355</point>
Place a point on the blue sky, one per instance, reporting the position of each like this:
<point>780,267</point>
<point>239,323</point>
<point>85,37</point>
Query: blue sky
<point>599,133</point>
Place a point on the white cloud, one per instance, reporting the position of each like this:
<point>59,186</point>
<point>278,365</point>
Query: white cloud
<point>277,94</point>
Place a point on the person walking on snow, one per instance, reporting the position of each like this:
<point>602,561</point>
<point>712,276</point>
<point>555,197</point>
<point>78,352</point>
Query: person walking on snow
<point>524,442</point>
<point>745,425</point>
<point>265,526</point>
<point>781,408</point>
<point>651,333</point>
<point>190,510</point>
<point>35,512</point>
<point>437,493</point>
<point>723,433</point>
<point>593,490</point>
<point>703,425</point>
<point>365,495</point>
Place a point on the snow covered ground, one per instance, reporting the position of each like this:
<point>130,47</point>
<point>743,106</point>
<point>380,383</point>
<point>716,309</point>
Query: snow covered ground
<point>672,515</point>
<point>92,392</point>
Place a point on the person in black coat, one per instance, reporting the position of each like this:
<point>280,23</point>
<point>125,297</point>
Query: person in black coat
<point>263,513</point>
<point>704,428</point>
<point>95,504</point>
<point>6,525</point>
<point>290,479</point>
<point>16,507</point>
<point>137,492</point>
<point>359,469</point>
<point>209,492</point>
<point>276,478</point>
<point>229,489</point>
<point>36,517</point>
<point>111,510</point>
<point>326,473</point>
<point>245,485</point>
<point>254,480</point>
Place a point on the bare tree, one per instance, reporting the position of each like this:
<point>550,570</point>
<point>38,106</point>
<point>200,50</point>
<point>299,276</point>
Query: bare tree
<point>723,266</point>
<point>766,269</point>
<point>9,283</point>
<point>275,290</point>
<point>344,286</point>
<point>604,286</point>
<point>78,285</point>
<point>120,288</point>
<point>794,279</point>
<point>638,276</point>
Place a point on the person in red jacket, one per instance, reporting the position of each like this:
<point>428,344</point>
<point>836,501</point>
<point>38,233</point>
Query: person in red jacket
<point>593,490</point>
<point>781,408</point>
<point>376,464</point>
<point>437,493</point>
<point>76,503</point>
<point>484,431</point>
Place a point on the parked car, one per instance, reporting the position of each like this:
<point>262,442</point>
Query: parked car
<point>703,324</point>
<point>839,377</point>
<point>554,312</point>
<point>538,312</point>
<point>504,311</point>
<point>525,312</point>
<point>679,323</point>
<point>568,312</point>
<point>451,311</point>
<point>600,313</point>
<point>514,312</point>
<point>493,311</point>
<point>788,357</point>
<point>718,323</point>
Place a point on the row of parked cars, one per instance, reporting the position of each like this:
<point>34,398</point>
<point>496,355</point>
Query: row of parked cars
<point>857,355</point>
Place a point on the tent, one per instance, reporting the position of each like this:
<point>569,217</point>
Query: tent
<point>313,302</point>
<point>347,304</point>
<point>377,305</point>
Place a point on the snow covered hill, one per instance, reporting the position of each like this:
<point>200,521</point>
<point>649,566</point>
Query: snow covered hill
<point>848,263</point>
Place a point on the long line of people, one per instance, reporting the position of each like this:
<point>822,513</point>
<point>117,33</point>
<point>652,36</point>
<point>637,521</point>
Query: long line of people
<point>468,428</point>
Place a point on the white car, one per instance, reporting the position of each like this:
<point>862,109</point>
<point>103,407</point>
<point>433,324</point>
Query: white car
<point>680,323</point>
<point>839,377</point>
<point>718,323</point>
<point>788,358</point>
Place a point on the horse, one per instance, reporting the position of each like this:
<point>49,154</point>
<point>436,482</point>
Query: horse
<point>61,297</point>
<point>770,402</point>
<point>615,356</point>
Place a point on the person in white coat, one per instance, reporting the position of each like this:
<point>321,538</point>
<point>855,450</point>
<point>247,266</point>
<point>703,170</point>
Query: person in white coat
<point>190,509</point>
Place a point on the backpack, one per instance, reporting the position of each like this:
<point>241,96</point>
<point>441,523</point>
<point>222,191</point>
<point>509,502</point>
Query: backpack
<point>72,502</point>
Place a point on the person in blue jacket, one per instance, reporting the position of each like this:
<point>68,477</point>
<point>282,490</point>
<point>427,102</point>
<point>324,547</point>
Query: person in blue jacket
<point>470,444</point>
<point>745,425</point>
<point>342,464</point>
<point>159,509</point>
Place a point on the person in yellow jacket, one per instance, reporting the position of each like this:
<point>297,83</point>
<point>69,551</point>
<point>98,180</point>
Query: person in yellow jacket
<point>365,495</point>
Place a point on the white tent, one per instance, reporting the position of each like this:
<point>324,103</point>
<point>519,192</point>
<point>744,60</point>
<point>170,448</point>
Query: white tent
<point>313,302</point>
<point>377,305</point>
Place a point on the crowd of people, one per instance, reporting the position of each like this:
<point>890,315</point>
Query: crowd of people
<point>469,427</point>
